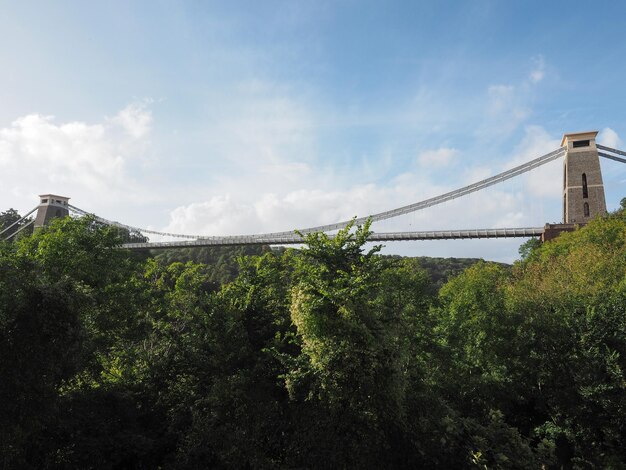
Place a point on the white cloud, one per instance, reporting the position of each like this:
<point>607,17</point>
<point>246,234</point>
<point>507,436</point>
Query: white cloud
<point>271,212</point>
<point>263,127</point>
<point>609,138</point>
<point>438,158</point>
<point>135,119</point>
<point>508,106</point>
<point>500,97</point>
<point>536,76</point>
<point>538,73</point>
<point>77,159</point>
<point>545,181</point>
<point>219,215</point>
<point>476,173</point>
<point>507,109</point>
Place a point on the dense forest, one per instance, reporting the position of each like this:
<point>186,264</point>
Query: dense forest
<point>330,356</point>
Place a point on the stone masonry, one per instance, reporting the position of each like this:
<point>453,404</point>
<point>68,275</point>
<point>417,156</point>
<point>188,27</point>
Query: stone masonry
<point>50,207</point>
<point>583,190</point>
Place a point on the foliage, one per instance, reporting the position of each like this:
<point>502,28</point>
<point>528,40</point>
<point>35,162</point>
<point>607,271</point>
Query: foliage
<point>331,356</point>
<point>221,261</point>
<point>548,342</point>
<point>527,248</point>
<point>440,270</point>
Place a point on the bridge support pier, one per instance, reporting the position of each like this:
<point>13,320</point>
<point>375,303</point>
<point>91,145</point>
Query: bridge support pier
<point>50,207</point>
<point>551,231</point>
<point>583,190</point>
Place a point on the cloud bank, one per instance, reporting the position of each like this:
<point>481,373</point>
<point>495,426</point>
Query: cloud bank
<point>37,154</point>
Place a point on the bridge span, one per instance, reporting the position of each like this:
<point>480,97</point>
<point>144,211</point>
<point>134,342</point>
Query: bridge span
<point>583,199</point>
<point>374,237</point>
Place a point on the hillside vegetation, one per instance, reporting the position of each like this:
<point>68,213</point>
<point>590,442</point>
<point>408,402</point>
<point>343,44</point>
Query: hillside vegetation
<point>223,262</point>
<point>327,357</point>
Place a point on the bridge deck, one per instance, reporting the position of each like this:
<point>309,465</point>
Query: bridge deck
<point>296,239</point>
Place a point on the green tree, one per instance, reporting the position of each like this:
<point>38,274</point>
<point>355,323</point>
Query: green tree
<point>213,361</point>
<point>71,335</point>
<point>571,296</point>
<point>543,348</point>
<point>478,372</point>
<point>40,347</point>
<point>331,356</point>
<point>351,376</point>
<point>528,248</point>
<point>475,331</point>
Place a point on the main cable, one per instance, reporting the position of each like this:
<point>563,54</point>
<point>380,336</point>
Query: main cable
<point>500,177</point>
<point>19,230</point>
<point>612,157</point>
<point>612,150</point>
<point>18,221</point>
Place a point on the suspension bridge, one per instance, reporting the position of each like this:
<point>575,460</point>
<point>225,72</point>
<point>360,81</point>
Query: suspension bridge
<point>583,199</point>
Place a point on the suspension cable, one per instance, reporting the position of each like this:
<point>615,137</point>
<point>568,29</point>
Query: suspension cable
<point>612,157</point>
<point>500,177</point>
<point>505,175</point>
<point>19,230</point>
<point>612,150</point>
<point>128,227</point>
<point>18,221</point>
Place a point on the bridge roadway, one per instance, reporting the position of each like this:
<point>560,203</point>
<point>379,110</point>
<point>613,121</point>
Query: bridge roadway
<point>295,239</point>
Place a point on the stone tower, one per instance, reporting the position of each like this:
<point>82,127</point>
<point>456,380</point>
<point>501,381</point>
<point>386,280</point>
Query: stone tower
<point>50,207</point>
<point>583,191</point>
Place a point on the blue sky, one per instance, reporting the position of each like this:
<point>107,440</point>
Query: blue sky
<point>243,117</point>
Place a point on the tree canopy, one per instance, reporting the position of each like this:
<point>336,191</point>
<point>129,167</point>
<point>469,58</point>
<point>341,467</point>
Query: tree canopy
<point>331,356</point>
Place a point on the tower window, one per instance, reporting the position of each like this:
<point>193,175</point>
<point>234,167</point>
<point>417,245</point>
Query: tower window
<point>586,209</point>
<point>585,190</point>
<point>580,143</point>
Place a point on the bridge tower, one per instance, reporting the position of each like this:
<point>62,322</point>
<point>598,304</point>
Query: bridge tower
<point>50,207</point>
<point>583,190</point>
